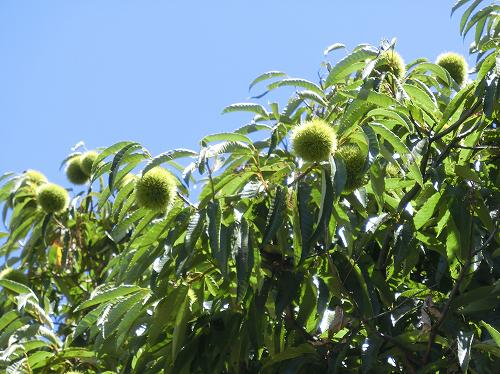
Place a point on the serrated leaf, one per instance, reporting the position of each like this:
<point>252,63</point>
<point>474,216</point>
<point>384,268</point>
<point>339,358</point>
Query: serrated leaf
<point>333,47</point>
<point>246,107</point>
<point>168,156</point>
<point>454,106</point>
<point>297,82</point>
<point>305,215</point>
<point>311,95</point>
<point>326,207</point>
<point>180,327</point>
<point>117,160</point>
<point>493,332</point>
<point>421,98</point>
<point>426,211</point>
<point>110,294</point>
<point>345,66</point>
<point>214,214</point>
<point>275,216</point>
<point>98,165</point>
<point>18,288</point>
<point>228,137</point>
<point>399,147</point>
<point>244,259</point>
<point>265,76</point>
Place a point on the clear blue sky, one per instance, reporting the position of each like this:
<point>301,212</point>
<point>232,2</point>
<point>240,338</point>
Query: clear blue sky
<point>160,71</point>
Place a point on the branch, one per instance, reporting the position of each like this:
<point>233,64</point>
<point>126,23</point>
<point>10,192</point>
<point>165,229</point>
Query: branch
<point>302,175</point>
<point>454,142</point>
<point>184,198</point>
<point>457,124</point>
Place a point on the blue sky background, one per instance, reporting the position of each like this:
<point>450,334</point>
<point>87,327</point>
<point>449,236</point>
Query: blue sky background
<point>160,71</point>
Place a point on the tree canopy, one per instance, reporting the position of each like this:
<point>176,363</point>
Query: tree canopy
<point>352,229</point>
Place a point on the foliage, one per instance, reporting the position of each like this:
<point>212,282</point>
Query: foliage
<point>277,267</point>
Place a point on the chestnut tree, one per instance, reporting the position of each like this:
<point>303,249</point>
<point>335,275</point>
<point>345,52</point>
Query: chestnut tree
<point>353,228</point>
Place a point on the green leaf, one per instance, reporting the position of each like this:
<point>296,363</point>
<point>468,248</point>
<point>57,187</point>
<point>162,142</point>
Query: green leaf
<point>18,288</point>
<point>461,214</point>
<point>39,359</point>
<point>122,229</point>
<point>491,98</point>
<point>121,196</point>
<point>311,95</point>
<point>165,312</point>
<point>399,147</point>
<point>226,242</point>
<point>440,72</point>
<point>127,322</point>
<point>231,137</point>
<point>340,177</point>
<point>100,297</point>
<point>405,249</point>
<point>455,105</point>
<point>326,208</point>
<point>194,229</point>
<point>458,4</point>
<point>88,321</point>
<point>379,99</point>
<point>333,47</point>
<point>297,82</point>
<point>476,18</point>
<point>143,224</point>
<point>426,211</point>
<point>107,152</point>
<point>493,332</point>
<point>421,98</point>
<point>373,146</point>
<point>275,216</point>
<point>287,289</point>
<point>246,107</point>
<point>305,215</point>
<point>355,111</point>
<point>467,173</point>
<point>117,160</point>
<point>214,226</point>
<point>345,66</point>
<point>7,318</point>
<point>180,327</point>
<point>265,76</point>
<point>244,259</point>
<point>466,14</point>
<point>452,246</point>
<point>168,156</point>
<point>290,353</point>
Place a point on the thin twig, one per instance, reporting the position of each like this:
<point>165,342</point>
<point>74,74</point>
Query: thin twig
<point>454,126</point>
<point>184,198</point>
<point>302,175</point>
